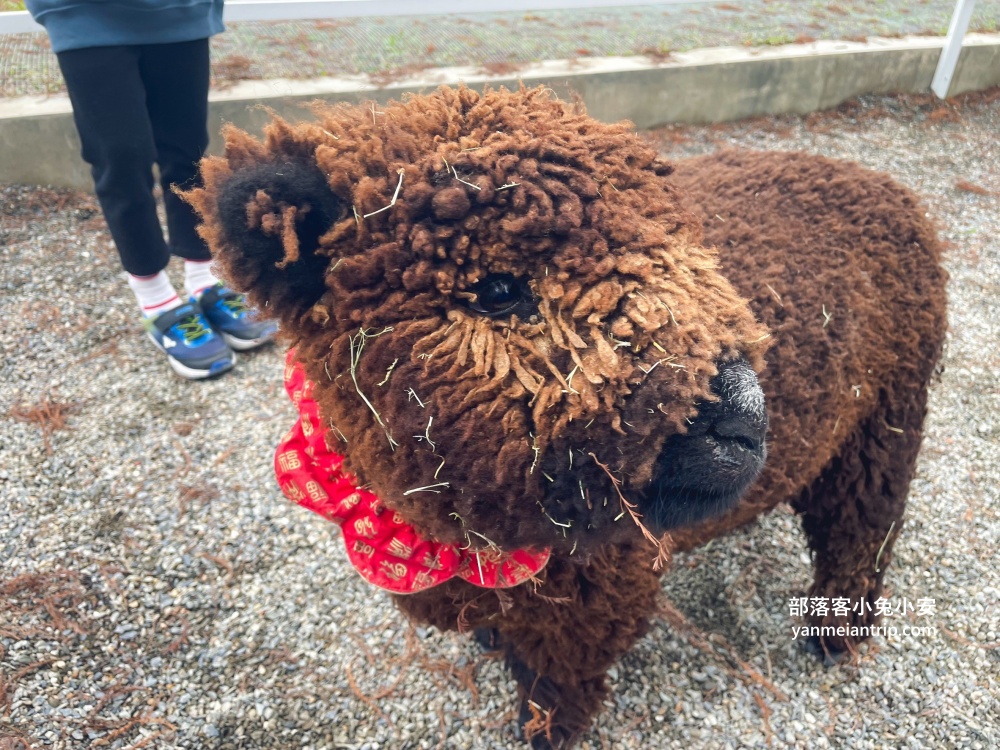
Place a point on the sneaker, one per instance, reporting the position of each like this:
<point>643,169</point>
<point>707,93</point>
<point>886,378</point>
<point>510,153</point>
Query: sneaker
<point>228,313</point>
<point>193,349</point>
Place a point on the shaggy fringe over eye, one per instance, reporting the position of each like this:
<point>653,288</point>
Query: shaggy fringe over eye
<point>506,178</point>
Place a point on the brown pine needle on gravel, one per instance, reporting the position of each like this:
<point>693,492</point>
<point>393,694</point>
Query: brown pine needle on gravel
<point>462,676</point>
<point>971,187</point>
<point>184,468</point>
<point>48,413</point>
<point>181,639</point>
<point>112,692</point>
<point>221,561</point>
<point>412,656</point>
<point>143,720</point>
<point>149,739</point>
<point>7,684</point>
<point>54,593</point>
<point>410,653</point>
<point>966,642</point>
<point>748,675</point>
<point>368,701</point>
<point>765,712</point>
<point>197,492</point>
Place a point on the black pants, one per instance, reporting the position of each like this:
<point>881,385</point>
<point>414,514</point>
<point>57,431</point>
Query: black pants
<point>133,106</point>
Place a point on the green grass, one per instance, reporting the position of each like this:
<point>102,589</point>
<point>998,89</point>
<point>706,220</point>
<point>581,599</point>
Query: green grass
<point>11,5</point>
<point>777,38</point>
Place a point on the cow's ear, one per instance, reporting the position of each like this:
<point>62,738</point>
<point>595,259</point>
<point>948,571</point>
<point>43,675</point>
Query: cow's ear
<point>263,221</point>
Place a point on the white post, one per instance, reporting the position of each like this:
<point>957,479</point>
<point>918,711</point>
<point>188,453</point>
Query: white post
<point>952,48</point>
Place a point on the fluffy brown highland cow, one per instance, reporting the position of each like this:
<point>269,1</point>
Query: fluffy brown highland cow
<point>520,337</point>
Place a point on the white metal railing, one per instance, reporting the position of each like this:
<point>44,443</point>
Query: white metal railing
<point>276,10</point>
<point>19,22</point>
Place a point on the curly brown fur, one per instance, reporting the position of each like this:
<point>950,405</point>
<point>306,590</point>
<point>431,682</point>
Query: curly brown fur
<point>617,270</point>
<point>382,239</point>
<point>842,265</point>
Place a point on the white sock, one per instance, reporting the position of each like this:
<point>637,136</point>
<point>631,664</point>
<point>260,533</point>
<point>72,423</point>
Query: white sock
<point>198,276</point>
<point>155,293</point>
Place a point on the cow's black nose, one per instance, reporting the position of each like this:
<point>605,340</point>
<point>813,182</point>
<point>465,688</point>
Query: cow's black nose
<point>705,471</point>
<point>744,433</point>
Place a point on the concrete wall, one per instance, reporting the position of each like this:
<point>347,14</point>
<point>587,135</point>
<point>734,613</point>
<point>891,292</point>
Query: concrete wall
<point>38,143</point>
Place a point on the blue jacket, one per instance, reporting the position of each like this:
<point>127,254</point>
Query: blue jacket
<point>73,24</point>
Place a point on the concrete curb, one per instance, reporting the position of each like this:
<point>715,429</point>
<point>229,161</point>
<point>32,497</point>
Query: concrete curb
<point>700,86</point>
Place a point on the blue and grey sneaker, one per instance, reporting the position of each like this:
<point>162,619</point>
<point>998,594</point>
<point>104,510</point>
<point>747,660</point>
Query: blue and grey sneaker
<point>193,349</point>
<point>228,313</point>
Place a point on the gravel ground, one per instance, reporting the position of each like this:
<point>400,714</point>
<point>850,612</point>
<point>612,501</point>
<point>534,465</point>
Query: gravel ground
<point>500,42</point>
<point>157,591</point>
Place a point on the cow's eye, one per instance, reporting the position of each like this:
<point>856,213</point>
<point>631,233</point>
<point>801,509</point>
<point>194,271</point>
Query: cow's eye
<point>501,294</point>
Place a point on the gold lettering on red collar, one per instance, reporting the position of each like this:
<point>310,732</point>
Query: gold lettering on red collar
<point>289,460</point>
<point>400,550</point>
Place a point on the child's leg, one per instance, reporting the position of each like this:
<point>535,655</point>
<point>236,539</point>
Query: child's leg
<point>109,108</point>
<point>176,78</point>
<point>109,98</point>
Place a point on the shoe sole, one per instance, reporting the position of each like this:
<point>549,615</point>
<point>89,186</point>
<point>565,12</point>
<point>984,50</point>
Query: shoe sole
<point>218,367</point>
<point>243,345</point>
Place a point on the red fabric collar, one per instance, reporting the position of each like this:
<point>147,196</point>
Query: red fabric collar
<point>384,549</point>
